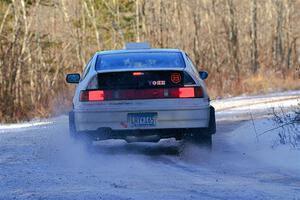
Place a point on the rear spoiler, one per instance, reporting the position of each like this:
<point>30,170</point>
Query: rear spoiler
<point>141,69</point>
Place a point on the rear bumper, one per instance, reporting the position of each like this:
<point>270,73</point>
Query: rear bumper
<point>150,135</point>
<point>180,118</point>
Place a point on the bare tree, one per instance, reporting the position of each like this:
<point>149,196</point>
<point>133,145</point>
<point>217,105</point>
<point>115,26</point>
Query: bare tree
<point>236,41</point>
<point>232,34</point>
<point>254,49</point>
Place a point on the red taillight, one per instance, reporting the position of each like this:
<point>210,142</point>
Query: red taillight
<point>92,95</point>
<point>131,94</point>
<point>198,92</point>
<point>84,96</point>
<point>97,95</point>
<point>186,92</point>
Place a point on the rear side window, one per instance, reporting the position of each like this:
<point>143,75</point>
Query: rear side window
<point>192,64</point>
<point>188,79</point>
<point>139,60</point>
<point>87,68</point>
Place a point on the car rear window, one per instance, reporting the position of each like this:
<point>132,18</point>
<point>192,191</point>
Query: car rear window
<point>139,60</point>
<point>143,80</point>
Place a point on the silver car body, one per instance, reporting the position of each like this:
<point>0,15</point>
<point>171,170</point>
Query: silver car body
<point>171,113</point>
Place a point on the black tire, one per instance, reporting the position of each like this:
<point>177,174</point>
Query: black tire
<point>199,138</point>
<point>203,136</point>
<point>212,121</point>
<point>76,136</point>
<point>72,128</point>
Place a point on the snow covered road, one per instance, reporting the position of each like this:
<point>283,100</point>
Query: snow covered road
<point>39,161</point>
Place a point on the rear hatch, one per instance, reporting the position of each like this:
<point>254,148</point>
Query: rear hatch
<point>132,85</point>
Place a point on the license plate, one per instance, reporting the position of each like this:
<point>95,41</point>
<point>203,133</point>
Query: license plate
<point>142,119</point>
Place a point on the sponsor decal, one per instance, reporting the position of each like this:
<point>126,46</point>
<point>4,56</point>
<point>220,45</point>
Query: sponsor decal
<point>154,83</point>
<point>124,125</point>
<point>176,78</point>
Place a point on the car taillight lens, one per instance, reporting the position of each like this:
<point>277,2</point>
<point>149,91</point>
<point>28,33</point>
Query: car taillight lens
<point>92,95</point>
<point>131,94</point>
<point>182,92</point>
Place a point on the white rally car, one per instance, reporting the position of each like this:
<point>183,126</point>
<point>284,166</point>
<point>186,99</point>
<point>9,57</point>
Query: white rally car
<point>141,94</point>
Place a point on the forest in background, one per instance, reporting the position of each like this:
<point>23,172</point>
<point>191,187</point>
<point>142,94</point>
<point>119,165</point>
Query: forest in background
<point>247,46</point>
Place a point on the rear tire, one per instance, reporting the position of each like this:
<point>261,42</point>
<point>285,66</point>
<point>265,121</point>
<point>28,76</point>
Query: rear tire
<point>203,136</point>
<point>75,135</point>
<point>212,122</point>
<point>200,139</point>
<point>72,128</point>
